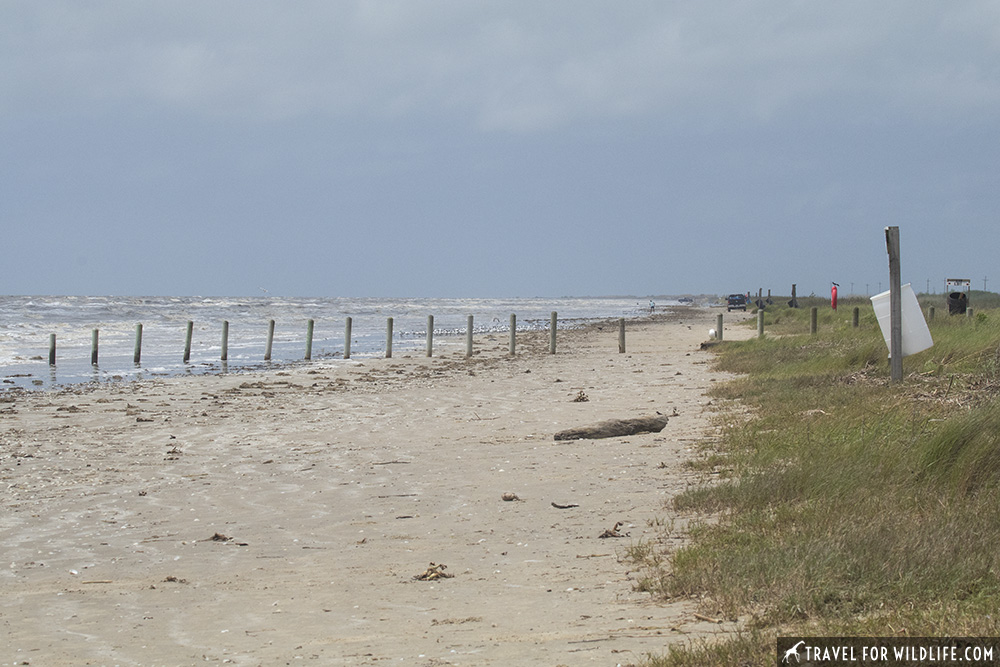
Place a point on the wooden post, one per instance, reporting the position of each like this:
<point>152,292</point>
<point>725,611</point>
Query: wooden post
<point>930,313</point>
<point>187,341</point>
<point>968,313</point>
<point>388,338</point>
<point>52,349</point>
<point>513,333</point>
<point>270,340</point>
<point>552,333</point>
<point>348,325</point>
<point>895,306</point>
<point>760,324</point>
<point>430,335</point>
<point>718,327</point>
<point>813,315</point>
<point>856,317</point>
<point>309,339</point>
<point>468,337</point>
<point>137,353</point>
<point>93,347</point>
<point>621,335</point>
<point>225,340</point>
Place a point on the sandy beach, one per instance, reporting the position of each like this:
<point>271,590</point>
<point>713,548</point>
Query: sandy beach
<point>282,517</point>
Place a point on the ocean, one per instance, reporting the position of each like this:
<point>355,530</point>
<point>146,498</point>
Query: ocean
<point>27,322</point>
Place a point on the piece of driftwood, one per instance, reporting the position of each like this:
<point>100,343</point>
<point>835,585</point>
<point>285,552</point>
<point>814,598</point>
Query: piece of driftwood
<point>614,532</point>
<point>708,618</point>
<point>564,507</point>
<point>614,428</point>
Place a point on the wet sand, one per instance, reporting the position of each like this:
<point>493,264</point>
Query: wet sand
<point>282,517</point>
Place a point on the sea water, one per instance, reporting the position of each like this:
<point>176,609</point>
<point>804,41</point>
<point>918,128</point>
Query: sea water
<point>26,323</point>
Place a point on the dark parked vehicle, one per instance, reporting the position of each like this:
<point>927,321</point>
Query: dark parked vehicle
<point>736,302</point>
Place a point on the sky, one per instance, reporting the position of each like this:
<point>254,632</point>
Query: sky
<point>463,148</point>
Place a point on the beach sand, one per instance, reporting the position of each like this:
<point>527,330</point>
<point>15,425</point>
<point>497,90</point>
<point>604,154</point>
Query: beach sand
<point>281,517</point>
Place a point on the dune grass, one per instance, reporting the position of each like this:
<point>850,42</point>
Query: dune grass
<point>846,505</point>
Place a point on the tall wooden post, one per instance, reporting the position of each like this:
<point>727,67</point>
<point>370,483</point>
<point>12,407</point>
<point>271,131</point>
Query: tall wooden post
<point>468,337</point>
<point>93,347</point>
<point>137,353</point>
<point>430,335</point>
<point>813,315</point>
<point>270,340</point>
<point>760,324</point>
<point>718,327</point>
<point>187,341</point>
<point>348,325</point>
<point>895,306</point>
<point>225,340</point>
<point>552,332</point>
<point>513,333</point>
<point>621,335</point>
<point>388,338</point>
<point>856,317</point>
<point>52,349</point>
<point>309,339</point>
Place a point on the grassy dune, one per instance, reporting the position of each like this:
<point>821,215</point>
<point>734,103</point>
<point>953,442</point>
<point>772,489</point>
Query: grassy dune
<point>846,505</point>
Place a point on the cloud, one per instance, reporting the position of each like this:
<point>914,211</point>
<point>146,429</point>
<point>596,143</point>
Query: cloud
<point>516,66</point>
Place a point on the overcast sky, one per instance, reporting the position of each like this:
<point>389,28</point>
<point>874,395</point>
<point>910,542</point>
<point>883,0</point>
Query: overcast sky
<point>508,148</point>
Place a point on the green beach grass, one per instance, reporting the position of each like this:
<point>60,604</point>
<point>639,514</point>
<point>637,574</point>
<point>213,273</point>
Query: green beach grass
<point>840,503</point>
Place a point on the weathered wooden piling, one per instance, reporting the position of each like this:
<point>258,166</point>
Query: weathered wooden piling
<point>621,335</point>
<point>856,317</point>
<point>52,349</point>
<point>513,333</point>
<point>552,333</point>
<point>309,339</point>
<point>225,340</point>
<point>813,314</point>
<point>718,327</point>
<point>388,338</point>
<point>760,324</point>
<point>468,337</point>
<point>430,335</point>
<point>270,340</point>
<point>187,341</point>
<point>93,347</point>
<point>347,337</point>
<point>137,353</point>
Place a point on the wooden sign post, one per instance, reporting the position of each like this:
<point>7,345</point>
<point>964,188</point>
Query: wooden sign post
<point>895,306</point>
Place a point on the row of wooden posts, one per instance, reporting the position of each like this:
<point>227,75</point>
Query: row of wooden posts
<point>813,316</point>
<point>137,355</point>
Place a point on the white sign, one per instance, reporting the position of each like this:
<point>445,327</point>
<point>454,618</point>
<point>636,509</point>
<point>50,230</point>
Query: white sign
<point>916,335</point>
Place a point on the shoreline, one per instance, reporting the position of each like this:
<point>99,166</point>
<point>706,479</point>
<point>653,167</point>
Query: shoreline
<point>33,373</point>
<point>261,516</point>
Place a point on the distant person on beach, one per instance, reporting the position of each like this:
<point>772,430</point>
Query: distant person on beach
<point>652,306</point>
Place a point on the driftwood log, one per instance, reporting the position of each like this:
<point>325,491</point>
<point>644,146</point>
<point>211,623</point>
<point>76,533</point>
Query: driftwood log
<point>614,428</point>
